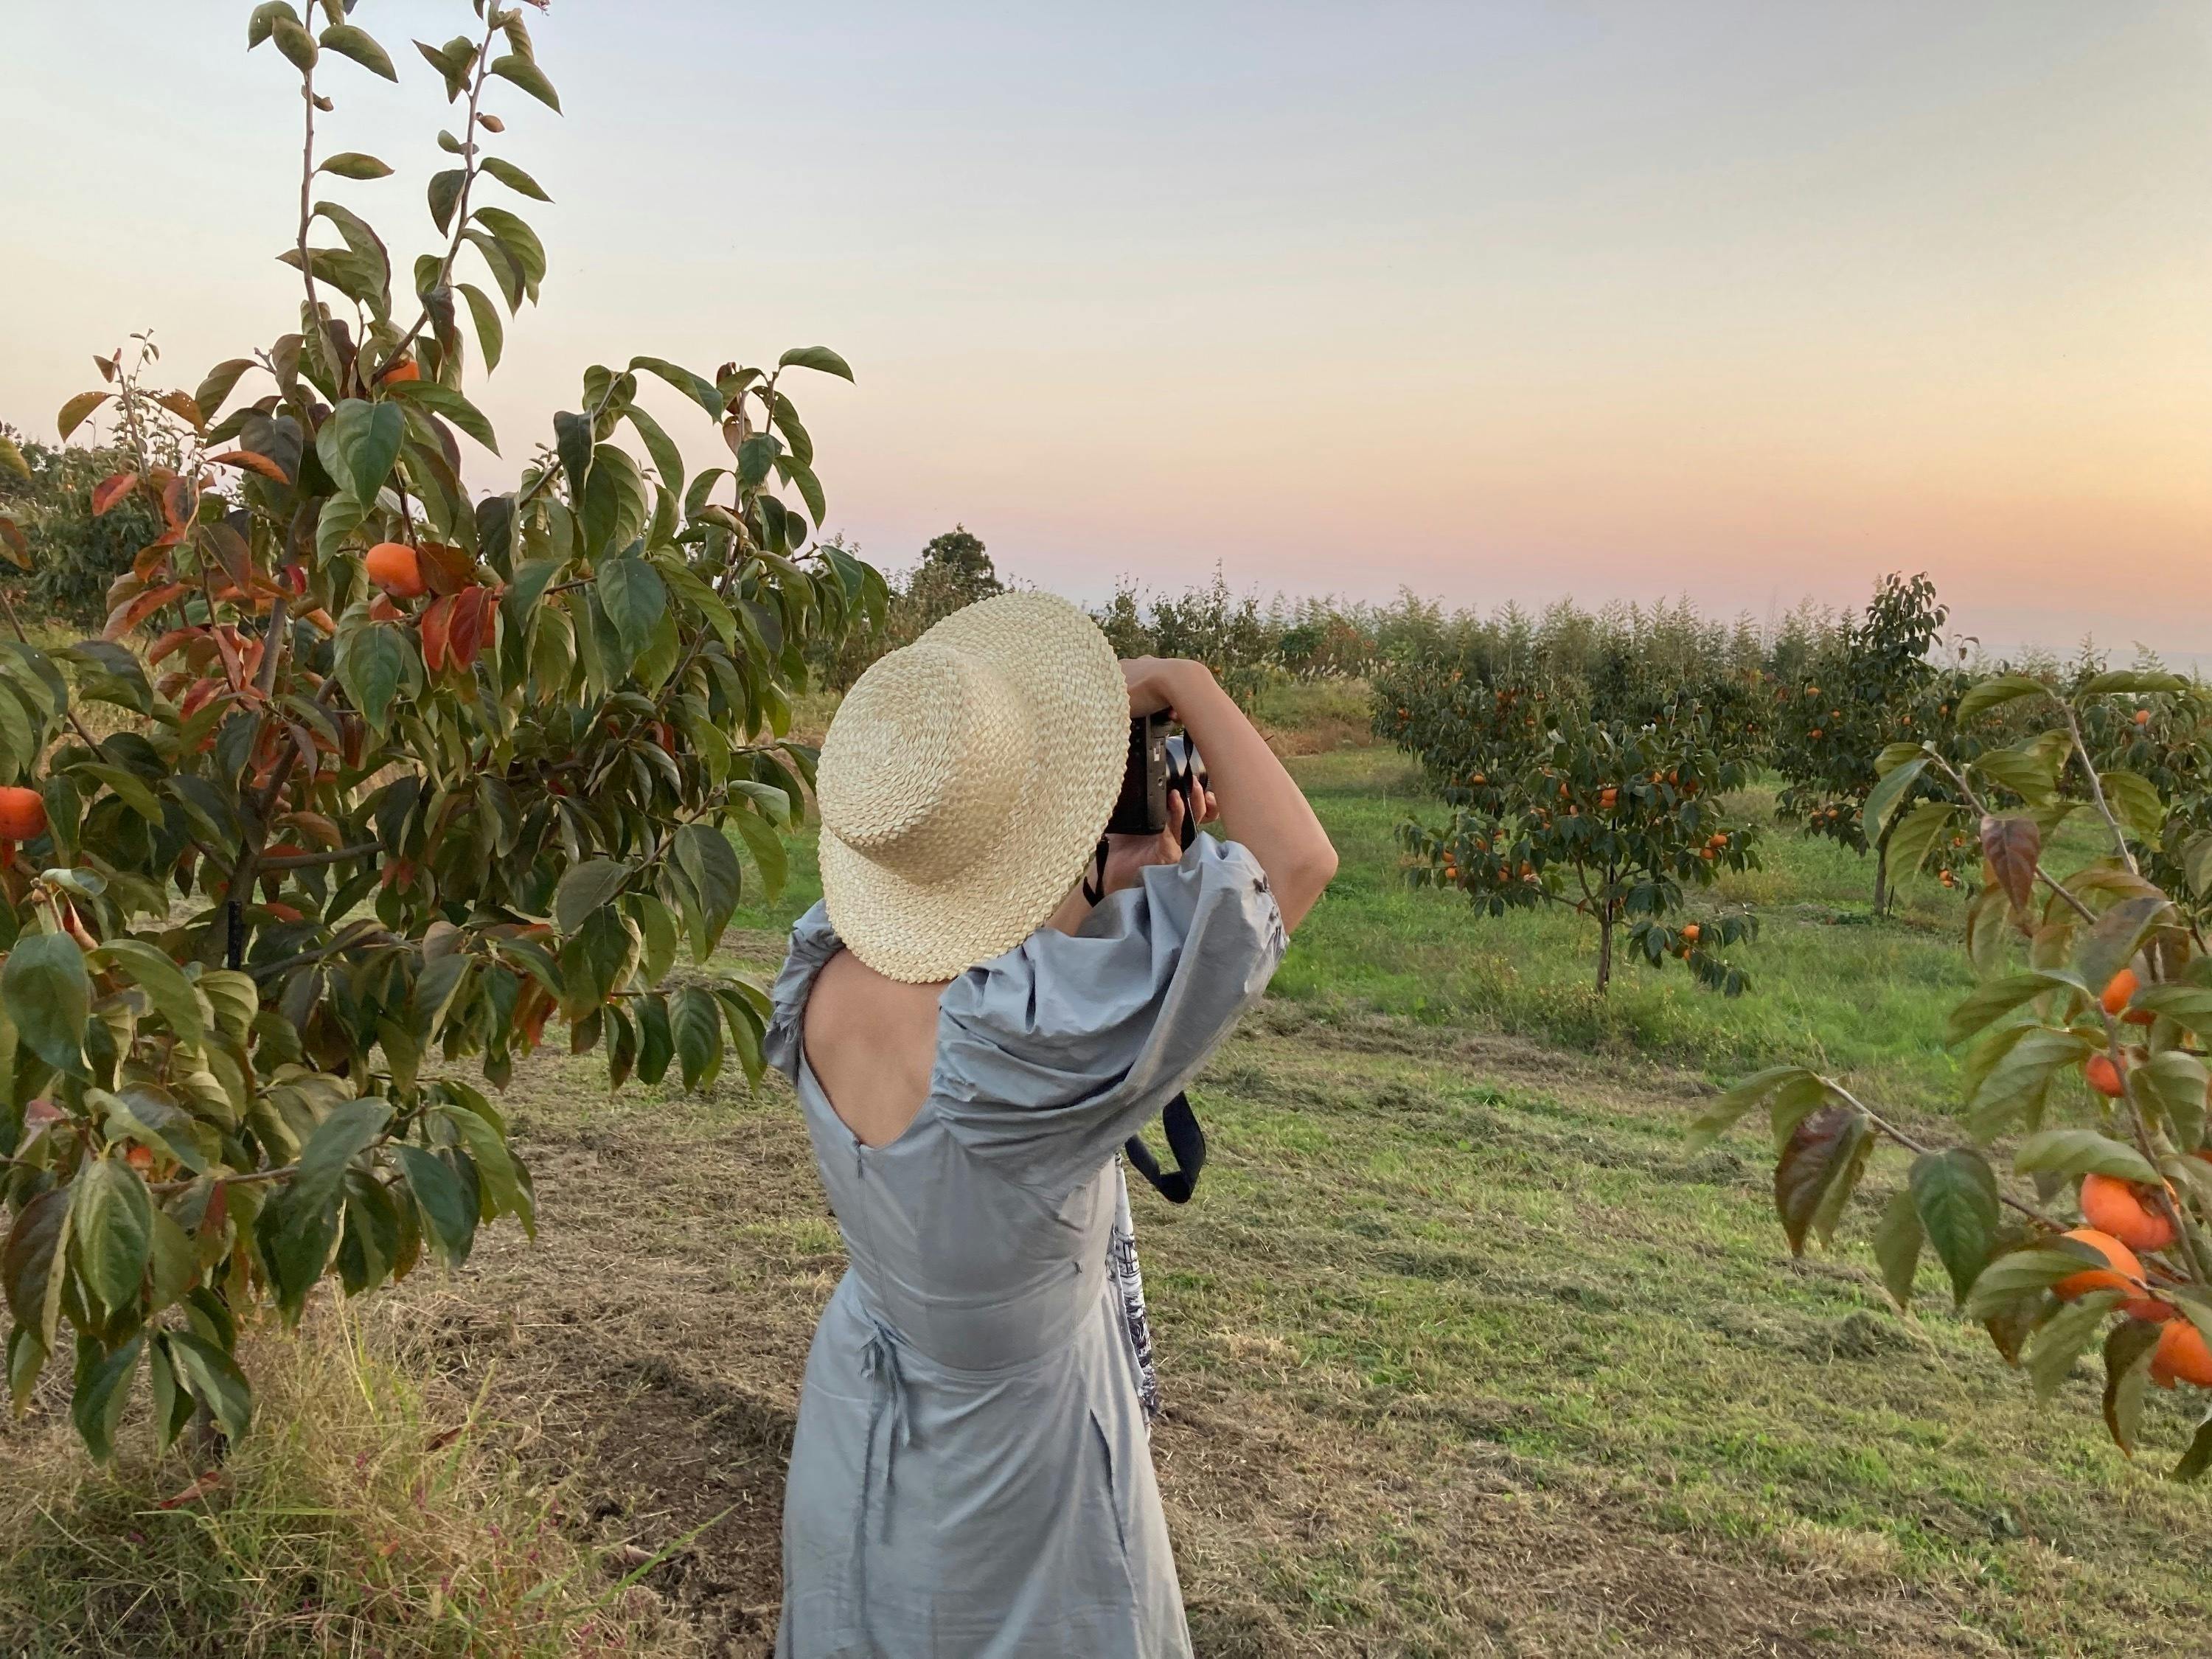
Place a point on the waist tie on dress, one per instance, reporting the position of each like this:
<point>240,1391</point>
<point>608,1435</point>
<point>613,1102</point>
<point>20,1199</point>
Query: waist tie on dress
<point>879,1364</point>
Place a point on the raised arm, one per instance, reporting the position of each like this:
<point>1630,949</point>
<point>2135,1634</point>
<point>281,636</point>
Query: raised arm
<point>1261,807</point>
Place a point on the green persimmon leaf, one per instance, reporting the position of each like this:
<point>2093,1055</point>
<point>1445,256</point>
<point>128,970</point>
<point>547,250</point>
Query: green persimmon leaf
<point>448,1217</point>
<point>586,887</point>
<point>213,1378</point>
<point>492,333</point>
<point>820,358</point>
<point>358,444</point>
<point>352,164</point>
<point>48,995</point>
<point>635,598</point>
<point>372,663</point>
<point>767,848</point>
<point>697,388</point>
<point>512,66</point>
<point>514,178</point>
<point>350,40</point>
<point>103,1383</point>
<point>164,982</point>
<point>1954,1199</point>
<point>111,1221</point>
<point>444,400</point>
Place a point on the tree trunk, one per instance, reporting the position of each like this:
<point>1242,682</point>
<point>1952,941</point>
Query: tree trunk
<point>1604,949</point>
<point>1881,874</point>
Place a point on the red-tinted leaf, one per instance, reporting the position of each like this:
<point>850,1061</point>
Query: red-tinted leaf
<point>473,610</point>
<point>15,543</point>
<point>129,615</point>
<point>178,501</point>
<point>444,569</point>
<point>2012,847</point>
<point>111,489</point>
<point>228,549</point>
<point>233,667</point>
<point>437,633</point>
<point>252,462</point>
<point>316,826</point>
<point>1817,1169</point>
<point>175,639</point>
<point>180,405</point>
<point>192,1494</point>
<point>74,410</point>
<point>152,564</point>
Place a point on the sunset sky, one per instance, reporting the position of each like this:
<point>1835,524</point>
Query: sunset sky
<point>1497,300</point>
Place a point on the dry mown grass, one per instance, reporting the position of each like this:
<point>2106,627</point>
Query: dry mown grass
<point>375,1509</point>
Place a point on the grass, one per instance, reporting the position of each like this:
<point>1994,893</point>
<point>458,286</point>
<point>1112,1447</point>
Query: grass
<point>1460,1259</point>
<point>1464,1356</point>
<point>373,1508</point>
<point>1834,986</point>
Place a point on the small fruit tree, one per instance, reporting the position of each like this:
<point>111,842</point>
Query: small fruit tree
<point>1871,684</point>
<point>2154,754</point>
<point>1614,820</point>
<point>402,774</point>
<point>2087,1033</point>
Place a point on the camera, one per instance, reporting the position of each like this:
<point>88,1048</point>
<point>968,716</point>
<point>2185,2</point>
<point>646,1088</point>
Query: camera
<point>1159,764</point>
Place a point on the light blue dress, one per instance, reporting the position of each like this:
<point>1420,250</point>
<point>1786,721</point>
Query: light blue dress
<point>971,1477</point>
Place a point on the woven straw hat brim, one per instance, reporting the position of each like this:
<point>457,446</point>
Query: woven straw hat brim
<point>1065,675</point>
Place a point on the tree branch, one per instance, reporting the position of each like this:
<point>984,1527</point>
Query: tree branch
<point>2097,789</point>
<point>471,168</point>
<point>311,860</point>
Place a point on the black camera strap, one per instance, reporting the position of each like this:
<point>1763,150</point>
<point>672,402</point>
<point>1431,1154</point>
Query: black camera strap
<point>1186,1144</point>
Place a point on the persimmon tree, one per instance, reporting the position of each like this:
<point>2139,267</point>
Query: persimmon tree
<point>1616,821</point>
<point>336,851</point>
<point>1873,684</point>
<point>2085,1039</point>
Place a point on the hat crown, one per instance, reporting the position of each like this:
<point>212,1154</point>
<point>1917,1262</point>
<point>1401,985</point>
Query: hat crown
<point>920,767</point>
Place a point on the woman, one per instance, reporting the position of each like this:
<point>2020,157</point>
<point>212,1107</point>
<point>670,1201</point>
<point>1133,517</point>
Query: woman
<point>972,1041</point>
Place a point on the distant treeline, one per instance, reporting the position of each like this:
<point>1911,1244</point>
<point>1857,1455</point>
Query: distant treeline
<point>1247,641</point>
<point>1617,651</point>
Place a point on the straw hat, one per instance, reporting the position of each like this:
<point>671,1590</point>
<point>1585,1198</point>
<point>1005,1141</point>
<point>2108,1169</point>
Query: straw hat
<point>965,784</point>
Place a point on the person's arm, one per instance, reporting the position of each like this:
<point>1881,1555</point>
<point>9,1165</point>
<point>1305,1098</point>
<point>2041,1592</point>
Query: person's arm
<point>1261,807</point>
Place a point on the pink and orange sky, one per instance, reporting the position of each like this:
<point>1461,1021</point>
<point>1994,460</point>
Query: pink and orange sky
<point>1499,301</point>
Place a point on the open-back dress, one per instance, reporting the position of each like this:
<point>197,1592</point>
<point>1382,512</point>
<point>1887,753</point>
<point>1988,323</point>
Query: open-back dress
<point>971,1477</point>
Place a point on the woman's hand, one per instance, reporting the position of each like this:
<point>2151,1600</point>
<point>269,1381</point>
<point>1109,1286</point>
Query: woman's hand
<point>1152,681</point>
<point>1260,803</point>
<point>1127,857</point>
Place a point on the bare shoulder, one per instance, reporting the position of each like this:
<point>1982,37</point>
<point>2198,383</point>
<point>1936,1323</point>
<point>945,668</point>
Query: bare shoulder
<point>872,1043</point>
<point>851,999</point>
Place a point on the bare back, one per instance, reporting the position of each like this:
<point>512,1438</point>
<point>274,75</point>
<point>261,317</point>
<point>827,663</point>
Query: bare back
<point>872,1044</point>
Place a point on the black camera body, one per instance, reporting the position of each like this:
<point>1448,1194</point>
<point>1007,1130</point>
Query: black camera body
<point>1159,764</point>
